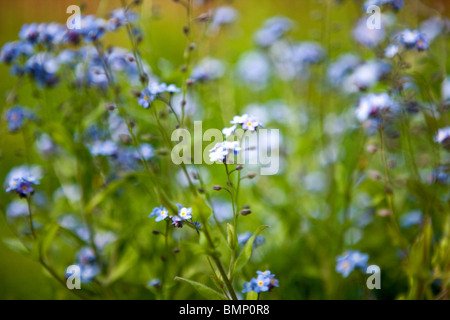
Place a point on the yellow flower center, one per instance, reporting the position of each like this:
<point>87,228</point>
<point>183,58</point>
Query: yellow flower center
<point>260,283</point>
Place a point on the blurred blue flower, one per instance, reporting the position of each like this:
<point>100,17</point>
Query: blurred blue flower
<point>120,17</point>
<point>394,4</point>
<point>16,117</point>
<point>17,208</point>
<point>43,67</point>
<point>11,51</point>
<point>160,213</point>
<point>208,69</point>
<point>272,30</point>
<point>411,218</point>
<point>368,37</point>
<point>104,148</point>
<point>92,28</point>
<point>254,70</point>
<point>348,261</point>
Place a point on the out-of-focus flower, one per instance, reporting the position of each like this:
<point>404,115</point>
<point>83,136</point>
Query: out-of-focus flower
<point>411,218</point>
<point>17,208</point>
<point>87,262</point>
<point>104,148</point>
<point>16,117</point>
<point>433,27</point>
<point>372,106</point>
<point>208,69</point>
<point>92,28</point>
<point>222,150</point>
<point>341,68</point>
<point>366,76</point>
<point>223,15</point>
<point>445,89</point>
<point>146,150</point>
<point>45,144</point>
<point>391,51</point>
<point>394,4</point>
<point>243,238</point>
<point>412,39</point>
<point>443,137</point>
<point>348,261</point>
<point>254,70</point>
<point>441,175</point>
<point>120,17</point>
<point>272,30</point>
<point>12,51</point>
<point>21,180</point>
<point>43,68</point>
<point>154,283</point>
<point>368,37</point>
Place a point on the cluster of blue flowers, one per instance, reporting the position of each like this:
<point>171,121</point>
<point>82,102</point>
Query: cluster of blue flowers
<point>264,282</point>
<point>46,47</point>
<point>22,179</point>
<point>350,260</point>
<point>184,214</point>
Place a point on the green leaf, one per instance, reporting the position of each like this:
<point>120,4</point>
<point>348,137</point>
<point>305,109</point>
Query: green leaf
<point>231,237</point>
<point>99,197</point>
<point>127,261</point>
<point>47,238</point>
<point>246,253</point>
<point>15,245</point>
<point>205,291</point>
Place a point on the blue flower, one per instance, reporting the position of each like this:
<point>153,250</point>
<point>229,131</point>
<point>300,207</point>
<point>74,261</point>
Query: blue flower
<point>29,32</point>
<point>120,17</point>
<point>348,261</point>
<point>92,28</point>
<point>22,179</point>
<point>208,69</point>
<point>11,51</point>
<point>272,30</point>
<point>16,117</point>
<point>104,148</point>
<point>264,282</point>
<point>443,137</point>
<point>185,213</point>
<point>394,4</point>
<point>146,98</point>
<point>43,68</point>
<point>368,37</point>
<point>412,39</point>
<point>160,213</point>
<point>411,218</point>
<point>249,286</point>
<point>154,283</point>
